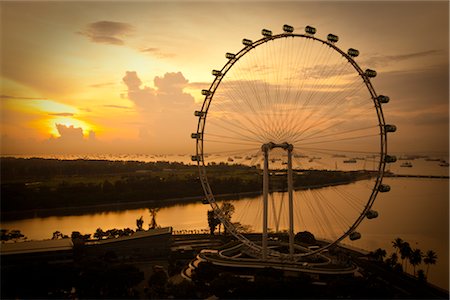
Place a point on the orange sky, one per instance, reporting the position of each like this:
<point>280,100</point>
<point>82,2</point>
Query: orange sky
<point>119,77</point>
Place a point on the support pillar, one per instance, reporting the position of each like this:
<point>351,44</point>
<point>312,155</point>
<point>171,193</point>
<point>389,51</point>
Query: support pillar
<point>265,201</point>
<point>291,202</point>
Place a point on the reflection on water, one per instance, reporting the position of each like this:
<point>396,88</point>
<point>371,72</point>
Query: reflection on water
<point>415,210</point>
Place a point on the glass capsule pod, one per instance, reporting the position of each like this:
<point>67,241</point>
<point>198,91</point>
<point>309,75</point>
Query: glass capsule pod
<point>353,52</point>
<point>383,188</point>
<point>332,38</point>
<point>216,73</point>
<point>195,135</point>
<point>383,99</point>
<point>288,28</point>
<point>198,113</point>
<point>206,92</point>
<point>390,128</point>
<point>266,32</point>
<point>370,73</point>
<point>355,236</point>
<point>310,30</point>
<point>230,55</point>
<point>247,42</point>
<point>195,158</point>
<point>390,158</point>
<point>371,214</point>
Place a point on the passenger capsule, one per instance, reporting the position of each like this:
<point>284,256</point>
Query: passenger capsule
<point>355,236</point>
<point>247,42</point>
<point>198,113</point>
<point>266,32</point>
<point>383,188</point>
<point>332,38</point>
<point>383,99</point>
<point>196,158</point>
<point>230,55</point>
<point>196,135</point>
<point>353,52</point>
<point>216,73</point>
<point>288,28</point>
<point>390,158</point>
<point>390,128</point>
<point>206,92</point>
<point>370,73</point>
<point>205,201</point>
<point>310,30</point>
<point>371,214</point>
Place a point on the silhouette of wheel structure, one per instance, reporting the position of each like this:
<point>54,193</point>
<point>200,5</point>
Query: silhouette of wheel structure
<point>300,113</point>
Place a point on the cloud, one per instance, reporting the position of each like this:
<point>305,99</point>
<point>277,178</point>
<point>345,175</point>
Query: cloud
<point>158,53</point>
<point>20,98</point>
<point>116,106</point>
<point>99,85</point>
<point>383,60</point>
<point>69,133</point>
<point>107,32</point>
<point>168,91</point>
<point>62,114</point>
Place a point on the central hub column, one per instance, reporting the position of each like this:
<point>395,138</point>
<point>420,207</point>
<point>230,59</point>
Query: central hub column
<point>265,148</point>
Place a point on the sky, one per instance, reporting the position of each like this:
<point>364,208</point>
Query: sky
<point>88,77</point>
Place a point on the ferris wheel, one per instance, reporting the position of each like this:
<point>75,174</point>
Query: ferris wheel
<point>290,104</point>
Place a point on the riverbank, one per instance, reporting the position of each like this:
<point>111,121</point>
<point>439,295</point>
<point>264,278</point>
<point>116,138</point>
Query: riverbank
<point>119,206</point>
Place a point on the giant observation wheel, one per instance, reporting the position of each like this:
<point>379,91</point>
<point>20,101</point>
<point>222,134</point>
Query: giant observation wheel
<point>288,105</point>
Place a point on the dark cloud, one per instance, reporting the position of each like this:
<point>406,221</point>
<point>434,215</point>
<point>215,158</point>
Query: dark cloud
<point>382,60</point>
<point>107,32</point>
<point>61,114</point>
<point>116,106</point>
<point>20,98</point>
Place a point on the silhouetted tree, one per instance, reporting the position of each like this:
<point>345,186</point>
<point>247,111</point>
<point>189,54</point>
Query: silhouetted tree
<point>153,212</point>
<point>397,244</point>
<point>379,254</point>
<point>405,253</point>
<point>139,224</point>
<point>213,221</point>
<point>415,259</point>
<point>430,259</point>
<point>227,210</point>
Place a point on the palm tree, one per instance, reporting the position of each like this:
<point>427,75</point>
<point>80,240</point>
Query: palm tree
<point>397,244</point>
<point>405,252</point>
<point>430,259</point>
<point>380,254</point>
<point>415,259</point>
<point>392,260</point>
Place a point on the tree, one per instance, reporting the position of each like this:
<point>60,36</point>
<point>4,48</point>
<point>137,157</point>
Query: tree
<point>227,210</point>
<point>57,235</point>
<point>397,244</point>
<point>139,224</point>
<point>392,260</point>
<point>379,254</point>
<point>99,234</point>
<point>213,221</point>
<point>153,212</point>
<point>430,259</point>
<point>415,259</point>
<point>405,252</point>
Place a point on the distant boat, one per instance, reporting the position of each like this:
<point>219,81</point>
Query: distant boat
<point>350,161</point>
<point>406,165</point>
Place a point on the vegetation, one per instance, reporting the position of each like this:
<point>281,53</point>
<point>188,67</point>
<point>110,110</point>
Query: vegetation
<point>30,184</point>
<point>415,257</point>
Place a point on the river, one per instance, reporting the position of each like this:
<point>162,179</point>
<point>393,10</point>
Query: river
<point>416,210</point>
